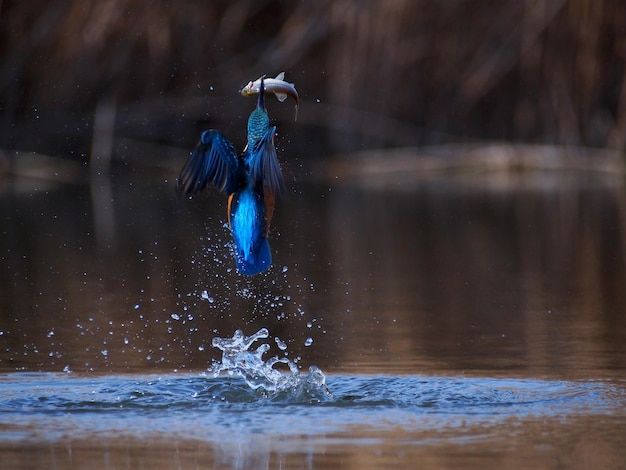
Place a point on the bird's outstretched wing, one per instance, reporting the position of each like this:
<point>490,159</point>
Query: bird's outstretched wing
<point>213,161</point>
<point>265,170</point>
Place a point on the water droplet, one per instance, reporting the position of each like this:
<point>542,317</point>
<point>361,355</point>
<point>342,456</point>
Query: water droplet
<point>175,316</point>
<point>281,344</point>
<point>308,342</point>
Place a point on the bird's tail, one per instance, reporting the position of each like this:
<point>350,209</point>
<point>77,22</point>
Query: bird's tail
<point>257,260</point>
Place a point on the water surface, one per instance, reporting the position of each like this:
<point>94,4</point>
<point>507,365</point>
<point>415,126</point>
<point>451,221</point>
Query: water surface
<point>458,323</point>
<point>388,417</point>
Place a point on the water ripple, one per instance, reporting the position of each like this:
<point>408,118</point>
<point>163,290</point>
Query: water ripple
<point>45,406</point>
<point>244,394</point>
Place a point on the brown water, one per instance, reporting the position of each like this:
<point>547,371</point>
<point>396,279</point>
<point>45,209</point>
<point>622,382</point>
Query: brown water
<point>469,323</point>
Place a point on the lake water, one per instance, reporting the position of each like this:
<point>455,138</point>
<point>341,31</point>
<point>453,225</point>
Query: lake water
<point>461,322</point>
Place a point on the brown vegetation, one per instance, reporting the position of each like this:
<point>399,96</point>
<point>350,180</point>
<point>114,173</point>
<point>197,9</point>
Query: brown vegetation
<point>389,73</point>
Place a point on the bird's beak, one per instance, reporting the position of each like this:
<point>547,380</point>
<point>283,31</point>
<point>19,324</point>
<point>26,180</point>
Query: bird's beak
<point>261,102</point>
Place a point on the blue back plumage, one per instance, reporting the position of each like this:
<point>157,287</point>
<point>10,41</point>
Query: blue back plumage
<point>252,249</point>
<point>258,125</point>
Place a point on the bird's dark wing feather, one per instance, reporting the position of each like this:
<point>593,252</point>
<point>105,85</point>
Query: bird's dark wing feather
<point>214,161</point>
<point>265,169</point>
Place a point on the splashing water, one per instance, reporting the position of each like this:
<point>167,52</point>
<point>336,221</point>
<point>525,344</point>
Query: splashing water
<point>237,359</point>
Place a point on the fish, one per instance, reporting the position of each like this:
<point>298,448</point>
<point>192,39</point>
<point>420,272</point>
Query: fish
<point>278,86</point>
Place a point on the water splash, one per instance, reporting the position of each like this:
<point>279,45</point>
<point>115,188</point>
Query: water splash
<point>238,359</point>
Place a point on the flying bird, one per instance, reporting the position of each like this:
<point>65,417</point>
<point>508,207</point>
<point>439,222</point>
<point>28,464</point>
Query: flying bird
<point>252,181</point>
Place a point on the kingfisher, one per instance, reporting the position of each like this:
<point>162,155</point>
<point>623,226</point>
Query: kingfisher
<point>252,181</point>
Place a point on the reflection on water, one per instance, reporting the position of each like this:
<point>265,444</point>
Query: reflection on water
<point>517,288</point>
<point>435,276</point>
<point>480,277</point>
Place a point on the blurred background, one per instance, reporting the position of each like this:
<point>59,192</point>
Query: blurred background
<point>383,73</point>
<point>379,245</point>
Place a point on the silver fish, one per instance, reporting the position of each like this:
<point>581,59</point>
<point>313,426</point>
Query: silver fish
<point>278,86</point>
